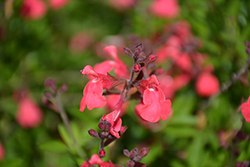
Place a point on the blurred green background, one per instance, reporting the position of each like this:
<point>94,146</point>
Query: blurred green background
<point>32,50</point>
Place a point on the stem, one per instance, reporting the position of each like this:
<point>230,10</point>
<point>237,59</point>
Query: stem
<point>229,83</point>
<point>67,125</point>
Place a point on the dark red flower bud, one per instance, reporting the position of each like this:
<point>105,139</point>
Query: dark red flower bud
<point>128,52</point>
<point>248,50</point>
<point>93,133</point>
<point>137,158</point>
<point>104,134</point>
<point>64,87</point>
<point>133,153</point>
<point>104,125</point>
<point>247,44</point>
<point>49,82</point>
<point>143,152</point>
<point>130,163</point>
<point>126,152</point>
<point>102,153</point>
<point>48,94</point>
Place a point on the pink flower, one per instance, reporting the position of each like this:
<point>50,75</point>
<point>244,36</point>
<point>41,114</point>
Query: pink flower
<point>33,9</point>
<point>57,4</point>
<point>1,152</point>
<point>154,104</point>
<point>165,8</point>
<point>120,68</point>
<point>245,109</point>
<point>92,94</point>
<point>207,85</point>
<point>122,4</point>
<point>28,113</point>
<point>116,122</point>
<point>104,67</point>
<point>96,160</point>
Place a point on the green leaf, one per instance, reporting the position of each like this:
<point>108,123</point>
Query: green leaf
<point>54,145</point>
<point>64,134</point>
<point>181,131</point>
<point>184,103</point>
<point>195,151</point>
<point>183,120</point>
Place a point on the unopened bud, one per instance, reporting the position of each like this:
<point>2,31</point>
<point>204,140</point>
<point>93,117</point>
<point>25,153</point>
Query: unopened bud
<point>48,94</point>
<point>126,152</point>
<point>64,87</point>
<point>143,152</point>
<point>247,44</point>
<point>104,125</point>
<point>104,134</point>
<point>49,82</point>
<point>102,153</point>
<point>130,163</point>
<point>133,153</point>
<point>93,133</point>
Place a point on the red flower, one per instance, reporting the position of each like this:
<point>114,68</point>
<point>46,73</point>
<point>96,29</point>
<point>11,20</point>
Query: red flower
<point>33,9</point>
<point>96,160</point>
<point>120,68</point>
<point>92,94</point>
<point>116,122</point>
<point>207,85</point>
<point>154,104</point>
<point>165,8</point>
<point>245,109</point>
<point>104,67</point>
<point>28,113</point>
<point>1,152</point>
<point>57,4</point>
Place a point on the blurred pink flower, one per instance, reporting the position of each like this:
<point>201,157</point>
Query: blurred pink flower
<point>245,109</point>
<point>1,152</point>
<point>80,42</point>
<point>207,85</point>
<point>165,8</point>
<point>28,114</point>
<point>121,69</point>
<point>122,4</point>
<point>33,9</point>
<point>57,4</point>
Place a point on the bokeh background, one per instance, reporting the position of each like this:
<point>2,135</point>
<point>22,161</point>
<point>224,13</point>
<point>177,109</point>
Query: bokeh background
<point>42,39</point>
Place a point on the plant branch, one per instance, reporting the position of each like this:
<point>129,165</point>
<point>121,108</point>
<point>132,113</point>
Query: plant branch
<point>67,125</point>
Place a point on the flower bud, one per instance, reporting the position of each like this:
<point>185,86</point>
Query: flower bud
<point>102,153</point>
<point>133,153</point>
<point>104,134</point>
<point>104,125</point>
<point>93,133</point>
<point>143,152</point>
<point>49,82</point>
<point>130,163</point>
<point>126,152</point>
